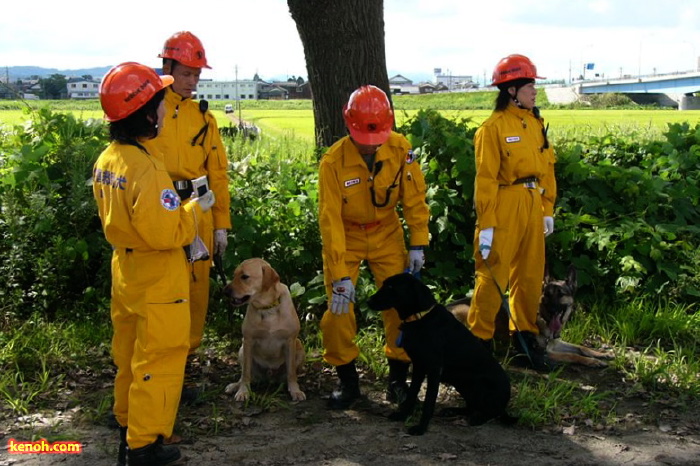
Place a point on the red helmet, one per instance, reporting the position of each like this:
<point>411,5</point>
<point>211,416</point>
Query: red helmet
<point>127,87</point>
<point>184,47</point>
<point>368,116</point>
<point>514,67</point>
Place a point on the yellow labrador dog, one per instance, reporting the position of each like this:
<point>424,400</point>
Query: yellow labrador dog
<point>270,329</point>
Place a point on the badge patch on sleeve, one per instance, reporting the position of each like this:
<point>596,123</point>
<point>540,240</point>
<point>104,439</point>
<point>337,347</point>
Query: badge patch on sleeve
<point>169,199</point>
<point>410,156</point>
<point>513,139</point>
<point>352,182</point>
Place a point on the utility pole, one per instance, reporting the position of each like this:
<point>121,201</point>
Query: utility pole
<point>238,101</point>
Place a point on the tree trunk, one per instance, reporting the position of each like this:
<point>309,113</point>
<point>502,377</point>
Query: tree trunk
<point>344,48</point>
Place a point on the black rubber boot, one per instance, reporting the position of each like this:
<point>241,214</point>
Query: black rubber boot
<point>155,454</point>
<point>123,447</point>
<point>530,355</point>
<point>190,395</point>
<point>398,388</point>
<point>488,344</point>
<point>348,389</point>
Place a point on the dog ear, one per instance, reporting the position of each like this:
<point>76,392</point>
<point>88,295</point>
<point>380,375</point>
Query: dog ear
<point>571,279</point>
<point>270,276</point>
<point>547,276</point>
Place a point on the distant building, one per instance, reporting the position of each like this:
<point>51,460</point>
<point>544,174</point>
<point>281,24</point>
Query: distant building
<point>400,84</point>
<point>269,91</point>
<point>80,88</point>
<point>427,88</point>
<point>254,89</point>
<point>455,82</point>
<point>227,90</point>
<point>292,88</point>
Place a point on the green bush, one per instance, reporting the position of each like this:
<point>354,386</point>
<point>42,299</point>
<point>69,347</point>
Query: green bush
<point>610,100</point>
<point>626,216</point>
<point>49,232</point>
<point>446,150</point>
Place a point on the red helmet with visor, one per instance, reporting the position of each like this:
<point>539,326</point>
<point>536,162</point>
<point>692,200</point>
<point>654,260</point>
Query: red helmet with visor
<point>368,116</point>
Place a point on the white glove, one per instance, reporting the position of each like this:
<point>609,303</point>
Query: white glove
<point>416,259</point>
<point>206,200</point>
<point>485,240</point>
<point>220,242</point>
<point>548,226</point>
<point>343,295</point>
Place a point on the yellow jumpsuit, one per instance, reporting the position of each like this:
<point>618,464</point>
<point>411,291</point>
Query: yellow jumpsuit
<point>353,229</point>
<point>147,226</point>
<point>186,161</point>
<point>510,146</point>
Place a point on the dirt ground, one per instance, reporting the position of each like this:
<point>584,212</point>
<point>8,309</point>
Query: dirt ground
<point>275,431</point>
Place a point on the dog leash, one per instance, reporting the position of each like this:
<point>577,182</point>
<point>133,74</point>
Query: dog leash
<point>506,305</point>
<point>219,268</point>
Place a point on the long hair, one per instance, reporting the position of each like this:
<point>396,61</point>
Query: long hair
<point>143,123</point>
<point>503,99</point>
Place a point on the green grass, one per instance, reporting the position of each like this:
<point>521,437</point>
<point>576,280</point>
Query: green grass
<point>294,119</point>
<point>286,123</point>
<point>656,349</point>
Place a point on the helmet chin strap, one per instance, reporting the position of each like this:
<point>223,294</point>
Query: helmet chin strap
<point>515,98</point>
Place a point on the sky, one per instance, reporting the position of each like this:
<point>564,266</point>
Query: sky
<point>462,37</point>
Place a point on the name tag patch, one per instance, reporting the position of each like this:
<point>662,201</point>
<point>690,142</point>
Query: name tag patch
<point>513,139</point>
<point>352,182</point>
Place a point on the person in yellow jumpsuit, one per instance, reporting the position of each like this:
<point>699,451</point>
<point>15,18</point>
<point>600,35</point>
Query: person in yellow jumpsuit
<point>147,226</point>
<point>362,179</point>
<point>514,196</point>
<point>193,148</point>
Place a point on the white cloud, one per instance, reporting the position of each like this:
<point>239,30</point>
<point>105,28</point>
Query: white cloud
<point>461,36</point>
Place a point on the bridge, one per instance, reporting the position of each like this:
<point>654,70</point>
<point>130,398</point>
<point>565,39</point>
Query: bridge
<point>678,87</point>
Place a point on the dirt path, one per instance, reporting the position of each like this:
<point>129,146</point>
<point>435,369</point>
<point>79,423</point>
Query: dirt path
<point>306,433</point>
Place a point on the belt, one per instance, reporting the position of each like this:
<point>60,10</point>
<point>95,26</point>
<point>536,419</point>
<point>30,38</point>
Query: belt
<point>366,226</point>
<point>528,182</point>
<point>184,188</point>
<point>183,184</point>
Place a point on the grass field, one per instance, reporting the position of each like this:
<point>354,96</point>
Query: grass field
<point>294,119</point>
<point>649,123</point>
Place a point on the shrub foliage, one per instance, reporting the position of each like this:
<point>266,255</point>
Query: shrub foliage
<point>627,213</point>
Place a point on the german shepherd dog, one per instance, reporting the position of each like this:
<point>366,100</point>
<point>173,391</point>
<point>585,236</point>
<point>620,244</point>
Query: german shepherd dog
<point>445,351</point>
<point>556,307</point>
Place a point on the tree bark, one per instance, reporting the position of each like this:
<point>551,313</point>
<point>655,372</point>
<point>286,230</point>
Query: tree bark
<point>344,49</point>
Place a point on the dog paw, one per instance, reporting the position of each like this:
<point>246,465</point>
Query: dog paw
<point>297,395</point>
<point>478,419</point>
<point>230,388</point>
<point>242,394</point>
<point>416,430</point>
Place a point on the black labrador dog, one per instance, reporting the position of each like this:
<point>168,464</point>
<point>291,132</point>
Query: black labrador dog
<point>444,350</point>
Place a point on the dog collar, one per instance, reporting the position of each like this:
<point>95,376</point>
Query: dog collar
<point>419,315</point>
<point>271,306</point>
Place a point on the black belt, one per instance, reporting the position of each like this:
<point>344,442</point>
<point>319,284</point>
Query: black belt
<point>528,179</point>
<point>184,188</point>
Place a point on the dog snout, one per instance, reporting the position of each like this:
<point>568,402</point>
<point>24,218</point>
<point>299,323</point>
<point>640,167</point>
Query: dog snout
<point>228,291</point>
